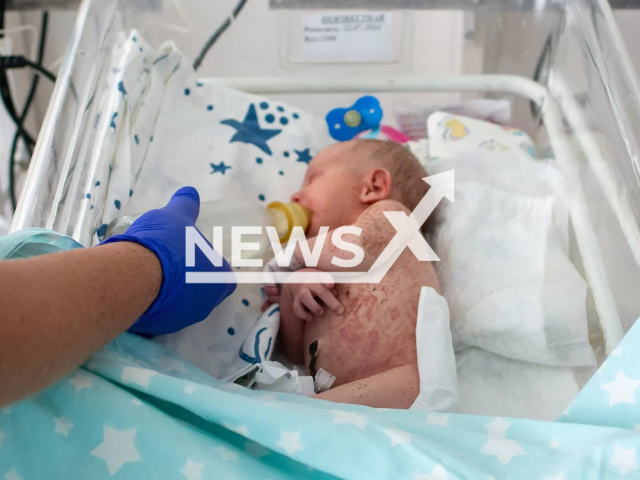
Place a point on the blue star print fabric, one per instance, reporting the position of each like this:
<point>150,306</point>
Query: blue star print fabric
<point>137,411</point>
<point>160,128</point>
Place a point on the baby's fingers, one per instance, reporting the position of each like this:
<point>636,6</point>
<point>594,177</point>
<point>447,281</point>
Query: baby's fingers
<point>265,305</point>
<point>308,300</point>
<point>328,297</point>
<point>299,310</point>
<point>270,290</point>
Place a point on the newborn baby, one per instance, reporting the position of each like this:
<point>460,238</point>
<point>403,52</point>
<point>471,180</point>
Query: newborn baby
<point>365,333</point>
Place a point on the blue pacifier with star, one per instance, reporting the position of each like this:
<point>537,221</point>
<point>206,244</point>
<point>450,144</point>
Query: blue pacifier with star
<point>345,123</point>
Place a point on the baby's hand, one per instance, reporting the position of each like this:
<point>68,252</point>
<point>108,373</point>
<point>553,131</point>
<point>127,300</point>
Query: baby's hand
<point>307,297</point>
<point>273,296</point>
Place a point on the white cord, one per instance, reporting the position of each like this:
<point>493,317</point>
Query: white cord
<point>23,28</point>
<point>176,28</point>
<point>55,64</point>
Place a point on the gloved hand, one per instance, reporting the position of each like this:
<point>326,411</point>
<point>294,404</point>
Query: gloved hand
<point>178,304</point>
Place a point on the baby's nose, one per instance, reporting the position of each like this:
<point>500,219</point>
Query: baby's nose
<point>296,197</point>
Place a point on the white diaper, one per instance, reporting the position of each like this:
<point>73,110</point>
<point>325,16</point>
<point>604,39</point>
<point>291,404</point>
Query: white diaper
<point>436,360</point>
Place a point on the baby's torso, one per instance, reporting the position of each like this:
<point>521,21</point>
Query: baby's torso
<point>377,330</point>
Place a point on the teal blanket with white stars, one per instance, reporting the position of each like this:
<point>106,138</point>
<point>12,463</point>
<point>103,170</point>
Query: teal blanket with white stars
<point>135,410</point>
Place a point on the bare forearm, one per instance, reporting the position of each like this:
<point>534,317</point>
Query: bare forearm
<point>394,388</point>
<point>57,309</point>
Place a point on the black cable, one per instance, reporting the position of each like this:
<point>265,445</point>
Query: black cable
<point>25,110</point>
<point>5,93</point>
<point>217,34</point>
<point>541,73</point>
<point>20,61</point>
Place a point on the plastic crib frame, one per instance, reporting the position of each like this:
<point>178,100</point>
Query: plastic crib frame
<point>555,101</point>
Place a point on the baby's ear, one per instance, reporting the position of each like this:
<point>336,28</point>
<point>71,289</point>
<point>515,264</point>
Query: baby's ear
<point>376,186</point>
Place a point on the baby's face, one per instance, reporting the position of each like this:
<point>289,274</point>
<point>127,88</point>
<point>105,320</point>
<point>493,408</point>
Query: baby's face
<point>331,189</point>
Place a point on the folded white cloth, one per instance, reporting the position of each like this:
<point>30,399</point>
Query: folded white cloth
<point>436,361</point>
<point>505,269</point>
<point>489,384</point>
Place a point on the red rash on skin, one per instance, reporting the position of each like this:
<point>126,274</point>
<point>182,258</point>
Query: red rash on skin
<point>373,343</point>
<point>377,330</point>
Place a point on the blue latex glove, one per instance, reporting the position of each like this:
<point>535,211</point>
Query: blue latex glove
<point>179,304</point>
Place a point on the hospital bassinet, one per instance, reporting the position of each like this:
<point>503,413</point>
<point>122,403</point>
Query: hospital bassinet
<point>561,63</point>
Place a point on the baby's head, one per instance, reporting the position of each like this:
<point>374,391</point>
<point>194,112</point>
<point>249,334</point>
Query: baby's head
<point>343,180</point>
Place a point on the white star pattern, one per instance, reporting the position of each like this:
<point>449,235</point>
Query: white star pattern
<point>624,459</point>
<point>6,410</point>
<point>137,375</point>
<point>438,473</point>
<point>255,449</point>
<point>397,437</point>
<point>498,427</point>
<point>227,454</point>
<point>189,389</point>
<point>290,442</point>
<point>136,402</point>
<point>554,445</point>
<point>637,427</point>
<point>557,476</point>
<point>503,448</point>
<point>81,381</point>
<point>441,420</point>
<point>617,352</point>
<point>192,470</point>
<point>63,426</point>
<point>240,429</point>
<point>138,361</point>
<point>169,364</point>
<point>117,448</point>
<point>622,390</point>
<point>12,475</point>
<point>349,417</point>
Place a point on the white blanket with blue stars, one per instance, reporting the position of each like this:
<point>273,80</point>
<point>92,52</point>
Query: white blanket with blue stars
<point>137,411</point>
<point>162,128</point>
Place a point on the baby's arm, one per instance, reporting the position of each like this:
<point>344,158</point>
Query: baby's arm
<point>394,388</point>
<point>376,233</point>
<point>298,304</point>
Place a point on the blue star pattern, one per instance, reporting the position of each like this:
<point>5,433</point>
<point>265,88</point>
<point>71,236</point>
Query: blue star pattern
<point>220,168</point>
<point>303,156</point>
<point>135,400</point>
<point>118,414</point>
<point>249,131</point>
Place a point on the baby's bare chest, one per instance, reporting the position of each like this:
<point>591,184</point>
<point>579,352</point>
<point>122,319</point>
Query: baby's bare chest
<point>377,330</point>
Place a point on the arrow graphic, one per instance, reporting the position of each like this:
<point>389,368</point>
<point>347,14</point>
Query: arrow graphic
<point>408,227</point>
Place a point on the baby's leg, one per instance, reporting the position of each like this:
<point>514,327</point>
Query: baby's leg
<point>394,388</point>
